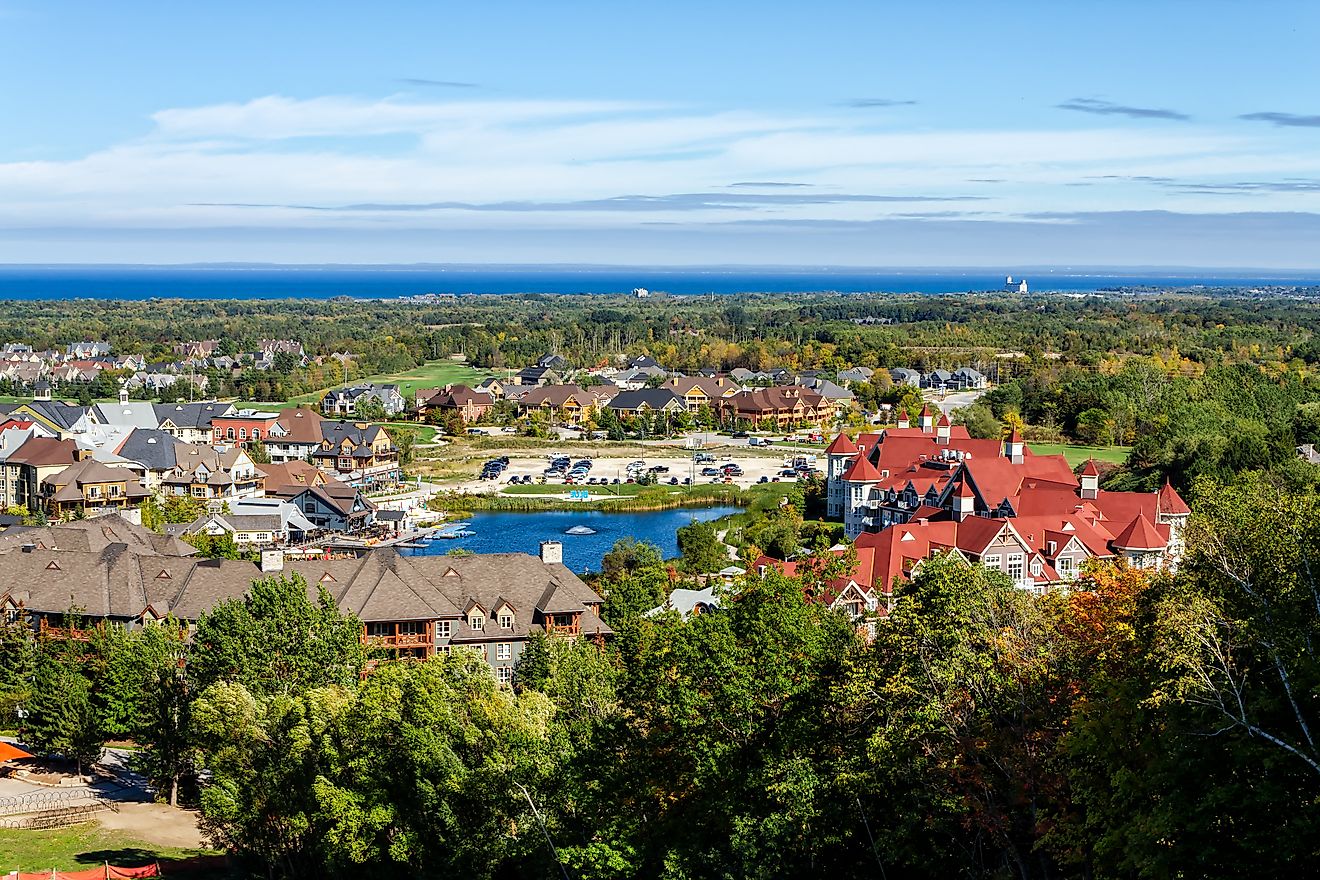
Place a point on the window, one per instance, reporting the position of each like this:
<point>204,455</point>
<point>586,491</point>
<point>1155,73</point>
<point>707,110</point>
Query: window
<point>412,628</point>
<point>1015,566</point>
<point>1066,566</point>
<point>506,621</point>
<point>262,536</point>
<point>93,491</point>
<point>504,674</point>
<point>116,491</point>
<point>242,433</point>
<point>477,622</point>
<point>992,561</point>
<point>443,629</point>
<point>503,651</point>
<point>380,629</point>
<point>229,433</point>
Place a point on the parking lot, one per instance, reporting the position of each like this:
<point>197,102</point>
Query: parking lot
<point>668,465</point>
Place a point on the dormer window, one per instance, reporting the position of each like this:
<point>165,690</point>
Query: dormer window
<point>506,620</point>
<point>476,622</point>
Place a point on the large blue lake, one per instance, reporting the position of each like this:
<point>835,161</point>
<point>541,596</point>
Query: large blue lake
<point>320,282</point>
<point>524,532</point>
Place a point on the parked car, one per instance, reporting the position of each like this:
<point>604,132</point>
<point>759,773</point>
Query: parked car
<point>710,472</point>
<point>739,435</point>
<point>687,481</point>
<point>764,479</point>
<point>673,481</point>
<point>659,469</point>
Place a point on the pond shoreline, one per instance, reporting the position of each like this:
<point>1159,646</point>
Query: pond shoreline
<point>455,505</point>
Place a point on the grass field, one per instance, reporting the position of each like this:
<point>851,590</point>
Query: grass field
<point>1078,454</point>
<point>81,846</point>
<point>429,375</point>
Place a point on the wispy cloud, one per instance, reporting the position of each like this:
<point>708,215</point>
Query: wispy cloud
<point>864,103</point>
<point>438,83</point>
<point>1108,108</point>
<point>769,184</point>
<point>1290,120</point>
<point>627,203</point>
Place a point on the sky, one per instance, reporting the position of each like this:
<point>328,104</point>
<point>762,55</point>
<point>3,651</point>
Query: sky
<point>1118,133</point>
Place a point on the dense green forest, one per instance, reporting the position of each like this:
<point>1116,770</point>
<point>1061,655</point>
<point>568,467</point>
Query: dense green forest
<point>1142,725</point>
<point>757,331</point>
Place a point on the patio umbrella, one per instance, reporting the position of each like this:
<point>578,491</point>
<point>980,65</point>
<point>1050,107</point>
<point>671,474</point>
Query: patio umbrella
<point>11,752</point>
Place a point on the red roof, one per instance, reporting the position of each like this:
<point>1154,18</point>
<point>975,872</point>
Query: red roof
<point>842,445</point>
<point>944,420</point>
<point>925,410</point>
<point>1014,436</point>
<point>1089,469</point>
<point>1140,535</point>
<point>1170,501</point>
<point>862,471</point>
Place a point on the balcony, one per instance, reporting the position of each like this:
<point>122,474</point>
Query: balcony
<point>563,624</point>
<point>396,639</point>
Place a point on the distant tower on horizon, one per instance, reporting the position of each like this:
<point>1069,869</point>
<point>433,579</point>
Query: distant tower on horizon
<point>1011,286</point>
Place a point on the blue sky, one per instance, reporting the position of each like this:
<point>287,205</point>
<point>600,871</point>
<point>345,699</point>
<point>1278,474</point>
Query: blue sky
<point>824,133</point>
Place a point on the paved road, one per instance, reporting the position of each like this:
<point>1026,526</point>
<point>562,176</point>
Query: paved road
<point>957,400</point>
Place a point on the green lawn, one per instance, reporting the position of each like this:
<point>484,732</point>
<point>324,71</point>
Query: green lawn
<point>1078,454</point>
<point>429,375</point>
<point>81,846</point>
<point>432,374</point>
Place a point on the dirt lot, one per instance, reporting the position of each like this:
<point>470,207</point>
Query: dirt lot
<point>157,824</point>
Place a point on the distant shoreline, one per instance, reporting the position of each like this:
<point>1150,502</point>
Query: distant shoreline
<point>256,282</point>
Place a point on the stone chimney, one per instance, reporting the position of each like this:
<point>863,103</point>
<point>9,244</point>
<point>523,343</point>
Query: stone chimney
<point>552,553</point>
<point>272,560</point>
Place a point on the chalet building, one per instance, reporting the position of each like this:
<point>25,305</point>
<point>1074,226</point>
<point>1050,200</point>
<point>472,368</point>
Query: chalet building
<point>912,492</point>
<point>88,487</point>
<point>214,475</point>
<point>647,401</point>
<point>264,522</point>
<point>538,375</point>
<point>470,405</point>
<point>345,401</point>
<point>358,454</point>
<point>699,391</point>
<point>855,376</point>
<point>295,436</point>
<point>191,422</point>
<point>153,451</point>
<point>28,467</point>
<point>110,571</point>
<point>784,405</point>
<point>905,376</point>
<point>567,403</point>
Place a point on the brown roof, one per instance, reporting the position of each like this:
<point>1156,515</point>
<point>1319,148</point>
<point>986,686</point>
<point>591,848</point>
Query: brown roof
<point>296,474</point>
<point>381,585</point>
<point>68,481</point>
<point>45,452</point>
<point>302,423</point>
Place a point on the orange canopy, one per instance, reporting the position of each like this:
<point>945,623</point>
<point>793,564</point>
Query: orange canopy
<point>11,753</point>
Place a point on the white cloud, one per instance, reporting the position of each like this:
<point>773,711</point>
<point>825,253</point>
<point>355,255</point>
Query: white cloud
<point>202,165</point>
